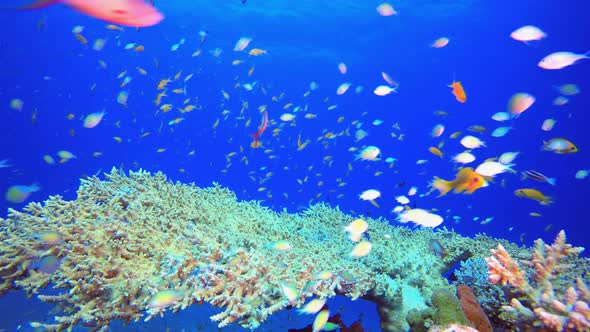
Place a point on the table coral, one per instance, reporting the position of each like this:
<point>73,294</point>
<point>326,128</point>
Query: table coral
<point>131,247</point>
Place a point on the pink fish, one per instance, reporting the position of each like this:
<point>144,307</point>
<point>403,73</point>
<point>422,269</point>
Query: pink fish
<point>133,13</point>
<point>559,60</point>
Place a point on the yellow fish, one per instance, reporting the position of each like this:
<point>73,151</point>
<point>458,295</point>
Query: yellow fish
<point>163,83</point>
<point>177,76</point>
<point>535,195</point>
<point>435,151</point>
<point>159,97</point>
<point>301,146</point>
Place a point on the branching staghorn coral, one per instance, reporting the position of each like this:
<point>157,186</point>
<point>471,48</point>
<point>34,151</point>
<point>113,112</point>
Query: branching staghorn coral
<point>551,299</point>
<point>131,247</point>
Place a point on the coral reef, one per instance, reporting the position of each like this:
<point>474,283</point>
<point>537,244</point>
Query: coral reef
<point>132,247</point>
<point>491,297</point>
<point>551,299</point>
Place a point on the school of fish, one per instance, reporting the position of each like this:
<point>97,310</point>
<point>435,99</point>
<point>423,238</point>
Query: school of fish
<point>272,126</point>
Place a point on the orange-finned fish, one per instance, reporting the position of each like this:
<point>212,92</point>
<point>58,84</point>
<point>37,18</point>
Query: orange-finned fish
<point>467,181</point>
<point>458,91</point>
<point>256,143</point>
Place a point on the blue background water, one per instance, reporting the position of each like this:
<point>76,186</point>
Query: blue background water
<point>305,41</point>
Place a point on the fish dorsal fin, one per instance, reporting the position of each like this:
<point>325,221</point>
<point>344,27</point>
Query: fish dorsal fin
<point>452,85</point>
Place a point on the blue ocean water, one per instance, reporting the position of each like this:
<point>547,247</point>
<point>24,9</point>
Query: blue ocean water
<point>45,66</point>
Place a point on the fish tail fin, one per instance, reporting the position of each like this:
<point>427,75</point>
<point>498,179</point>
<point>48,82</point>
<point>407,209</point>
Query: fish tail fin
<point>552,181</point>
<point>547,201</point>
<point>443,186</point>
<point>38,4</point>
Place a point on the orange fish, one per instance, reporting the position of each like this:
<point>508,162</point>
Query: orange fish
<point>458,91</point>
<point>134,13</point>
<point>81,39</point>
<point>256,143</point>
<point>139,48</point>
<point>114,27</point>
<point>466,181</point>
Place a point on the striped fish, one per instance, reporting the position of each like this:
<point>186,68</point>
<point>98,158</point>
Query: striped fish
<point>538,177</point>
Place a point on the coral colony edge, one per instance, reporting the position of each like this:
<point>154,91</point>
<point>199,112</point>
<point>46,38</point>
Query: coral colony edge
<point>135,246</point>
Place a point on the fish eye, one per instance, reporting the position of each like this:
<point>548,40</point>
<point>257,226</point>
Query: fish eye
<point>119,11</point>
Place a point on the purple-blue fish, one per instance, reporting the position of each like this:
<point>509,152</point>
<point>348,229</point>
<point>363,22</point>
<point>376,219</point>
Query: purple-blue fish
<point>539,177</point>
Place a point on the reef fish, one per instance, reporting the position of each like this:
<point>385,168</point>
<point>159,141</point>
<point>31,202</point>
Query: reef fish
<point>560,146</point>
<point>384,90</point>
<point>361,249</point>
<point>437,249</point>
<point>356,229</point>
<point>92,120</point>
<point>528,33</point>
<point>20,193</point>
<point>472,142</point>
<point>493,168</point>
<point>440,42</point>
<point>458,92</point>
<point>164,298</point>
<point>467,181</point>
<point>313,306</point>
<point>370,153</point>
<point>534,194</point>
<point>539,177</point>
<point>256,136</point>
<point>133,13</point>
<point>559,60</point>
<point>520,102</point>
<point>420,217</point>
